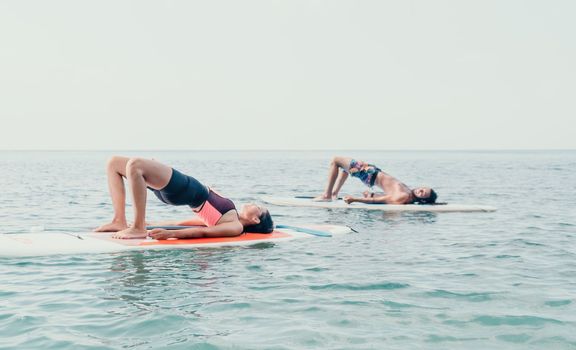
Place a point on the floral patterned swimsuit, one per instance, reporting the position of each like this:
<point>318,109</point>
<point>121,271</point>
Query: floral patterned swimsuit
<point>367,173</point>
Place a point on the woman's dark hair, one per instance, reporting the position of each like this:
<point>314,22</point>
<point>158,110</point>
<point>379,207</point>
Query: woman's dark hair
<point>266,225</point>
<point>431,199</point>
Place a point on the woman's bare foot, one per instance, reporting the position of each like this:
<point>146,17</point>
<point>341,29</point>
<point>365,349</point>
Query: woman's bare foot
<point>130,232</point>
<point>112,227</point>
<point>322,198</point>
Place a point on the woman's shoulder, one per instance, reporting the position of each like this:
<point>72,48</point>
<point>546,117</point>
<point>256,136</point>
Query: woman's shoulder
<point>230,216</point>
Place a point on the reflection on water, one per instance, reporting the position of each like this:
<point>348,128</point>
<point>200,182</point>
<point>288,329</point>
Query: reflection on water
<point>369,219</point>
<point>148,270</point>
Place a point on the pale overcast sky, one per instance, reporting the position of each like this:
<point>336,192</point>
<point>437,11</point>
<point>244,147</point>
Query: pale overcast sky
<point>291,74</point>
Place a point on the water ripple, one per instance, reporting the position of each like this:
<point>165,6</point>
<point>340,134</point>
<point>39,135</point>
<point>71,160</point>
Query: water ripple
<point>473,296</point>
<point>359,287</point>
<point>514,321</point>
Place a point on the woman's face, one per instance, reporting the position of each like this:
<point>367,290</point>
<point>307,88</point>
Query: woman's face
<point>252,210</point>
<point>422,192</point>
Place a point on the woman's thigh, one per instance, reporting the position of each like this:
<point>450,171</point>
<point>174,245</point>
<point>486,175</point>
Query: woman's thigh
<point>156,174</point>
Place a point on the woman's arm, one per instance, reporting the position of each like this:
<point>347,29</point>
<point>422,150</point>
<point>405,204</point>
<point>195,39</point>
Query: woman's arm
<point>368,200</point>
<point>227,229</point>
<point>163,223</point>
<point>382,199</point>
<point>195,221</point>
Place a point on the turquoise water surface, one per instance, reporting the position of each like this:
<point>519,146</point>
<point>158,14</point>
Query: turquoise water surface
<point>502,280</point>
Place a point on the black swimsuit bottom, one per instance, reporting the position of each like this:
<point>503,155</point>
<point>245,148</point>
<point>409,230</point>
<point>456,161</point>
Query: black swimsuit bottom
<point>182,190</point>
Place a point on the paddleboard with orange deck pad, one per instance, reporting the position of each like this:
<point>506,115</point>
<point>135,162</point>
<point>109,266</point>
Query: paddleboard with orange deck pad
<point>51,243</point>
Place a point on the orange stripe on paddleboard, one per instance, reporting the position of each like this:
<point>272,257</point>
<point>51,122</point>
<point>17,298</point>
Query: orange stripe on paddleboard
<point>241,238</point>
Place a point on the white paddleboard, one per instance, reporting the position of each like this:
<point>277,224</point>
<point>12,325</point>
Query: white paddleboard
<point>50,243</point>
<point>340,204</point>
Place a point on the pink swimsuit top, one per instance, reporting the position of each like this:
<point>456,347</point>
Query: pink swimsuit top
<point>214,208</point>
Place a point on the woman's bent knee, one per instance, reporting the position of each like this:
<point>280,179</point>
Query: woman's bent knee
<point>116,163</point>
<point>341,162</point>
<point>335,161</point>
<point>135,165</point>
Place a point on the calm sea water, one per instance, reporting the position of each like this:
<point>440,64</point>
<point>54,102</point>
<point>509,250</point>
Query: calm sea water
<point>503,280</point>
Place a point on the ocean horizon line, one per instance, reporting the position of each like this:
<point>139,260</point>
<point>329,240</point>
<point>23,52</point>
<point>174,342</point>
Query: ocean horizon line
<point>299,150</point>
